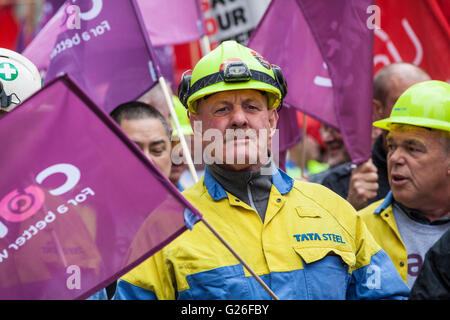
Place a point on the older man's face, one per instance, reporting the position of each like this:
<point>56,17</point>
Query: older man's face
<point>418,166</point>
<point>236,128</point>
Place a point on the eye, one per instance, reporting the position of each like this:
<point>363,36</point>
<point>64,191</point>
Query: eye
<point>221,110</point>
<point>252,107</point>
<point>159,150</point>
<point>414,149</point>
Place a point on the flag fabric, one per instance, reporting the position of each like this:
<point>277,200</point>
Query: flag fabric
<point>325,50</point>
<point>108,53</point>
<point>166,22</point>
<point>172,22</point>
<point>287,135</point>
<point>49,9</point>
<point>42,45</point>
<point>414,31</point>
<point>80,204</point>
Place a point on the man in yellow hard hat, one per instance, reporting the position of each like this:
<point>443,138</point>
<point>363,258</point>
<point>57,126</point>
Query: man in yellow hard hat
<point>416,212</point>
<point>301,239</point>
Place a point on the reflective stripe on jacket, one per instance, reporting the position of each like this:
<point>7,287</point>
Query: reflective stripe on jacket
<point>312,245</point>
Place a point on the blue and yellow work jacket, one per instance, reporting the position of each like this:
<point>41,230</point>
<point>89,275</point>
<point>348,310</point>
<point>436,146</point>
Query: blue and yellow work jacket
<point>311,245</point>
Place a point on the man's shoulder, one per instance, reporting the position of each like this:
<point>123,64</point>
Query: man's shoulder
<point>316,191</point>
<point>195,190</point>
<point>370,209</point>
<point>371,214</point>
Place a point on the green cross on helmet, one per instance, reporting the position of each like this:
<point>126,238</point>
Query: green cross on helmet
<point>425,104</point>
<point>232,66</point>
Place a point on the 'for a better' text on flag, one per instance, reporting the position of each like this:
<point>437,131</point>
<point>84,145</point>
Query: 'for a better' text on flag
<point>80,204</point>
<point>166,22</point>
<point>325,50</point>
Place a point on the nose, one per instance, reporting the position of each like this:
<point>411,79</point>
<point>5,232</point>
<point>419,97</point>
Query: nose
<point>147,153</point>
<point>396,156</point>
<point>238,118</point>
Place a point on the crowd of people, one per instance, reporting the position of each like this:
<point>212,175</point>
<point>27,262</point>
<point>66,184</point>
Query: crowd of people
<point>377,230</point>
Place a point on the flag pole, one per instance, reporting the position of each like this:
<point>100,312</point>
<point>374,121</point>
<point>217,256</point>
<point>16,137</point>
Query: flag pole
<point>303,155</point>
<point>241,260</point>
<point>186,152</point>
<point>165,89</point>
<point>205,45</point>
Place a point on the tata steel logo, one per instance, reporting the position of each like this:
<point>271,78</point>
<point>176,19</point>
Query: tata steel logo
<point>21,204</point>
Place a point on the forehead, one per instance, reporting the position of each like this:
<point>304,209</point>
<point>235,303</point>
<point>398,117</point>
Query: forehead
<point>407,132</point>
<point>148,128</point>
<point>234,96</point>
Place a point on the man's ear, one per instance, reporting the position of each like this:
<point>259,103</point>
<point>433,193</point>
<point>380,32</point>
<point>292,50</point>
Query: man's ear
<point>273,119</point>
<point>377,110</point>
<point>448,167</point>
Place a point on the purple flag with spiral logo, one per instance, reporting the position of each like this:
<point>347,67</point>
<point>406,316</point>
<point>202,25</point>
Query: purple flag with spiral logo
<point>80,204</point>
<point>106,50</point>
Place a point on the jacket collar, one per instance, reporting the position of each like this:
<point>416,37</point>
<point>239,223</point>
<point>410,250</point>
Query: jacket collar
<point>280,180</point>
<point>385,204</point>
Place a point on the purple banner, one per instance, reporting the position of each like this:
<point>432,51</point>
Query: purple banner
<point>49,9</point>
<point>172,22</point>
<point>326,52</point>
<point>106,50</point>
<point>41,47</point>
<point>80,204</point>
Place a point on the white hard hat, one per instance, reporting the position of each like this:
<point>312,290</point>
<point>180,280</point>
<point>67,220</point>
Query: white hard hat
<point>19,79</point>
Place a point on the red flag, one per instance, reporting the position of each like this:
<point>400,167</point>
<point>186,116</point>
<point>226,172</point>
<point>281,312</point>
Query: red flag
<point>9,27</point>
<point>414,31</point>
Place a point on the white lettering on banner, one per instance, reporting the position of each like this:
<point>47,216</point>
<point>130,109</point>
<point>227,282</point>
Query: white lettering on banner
<point>71,172</point>
<point>322,81</point>
<point>31,231</point>
<point>3,255</point>
<point>232,20</point>
<point>97,6</point>
<point>383,36</point>
<point>80,37</point>
<point>21,204</point>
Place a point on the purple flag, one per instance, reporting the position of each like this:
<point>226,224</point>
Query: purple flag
<point>172,22</point>
<point>41,47</point>
<point>326,52</point>
<point>80,204</point>
<point>107,52</point>
<point>49,9</point>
